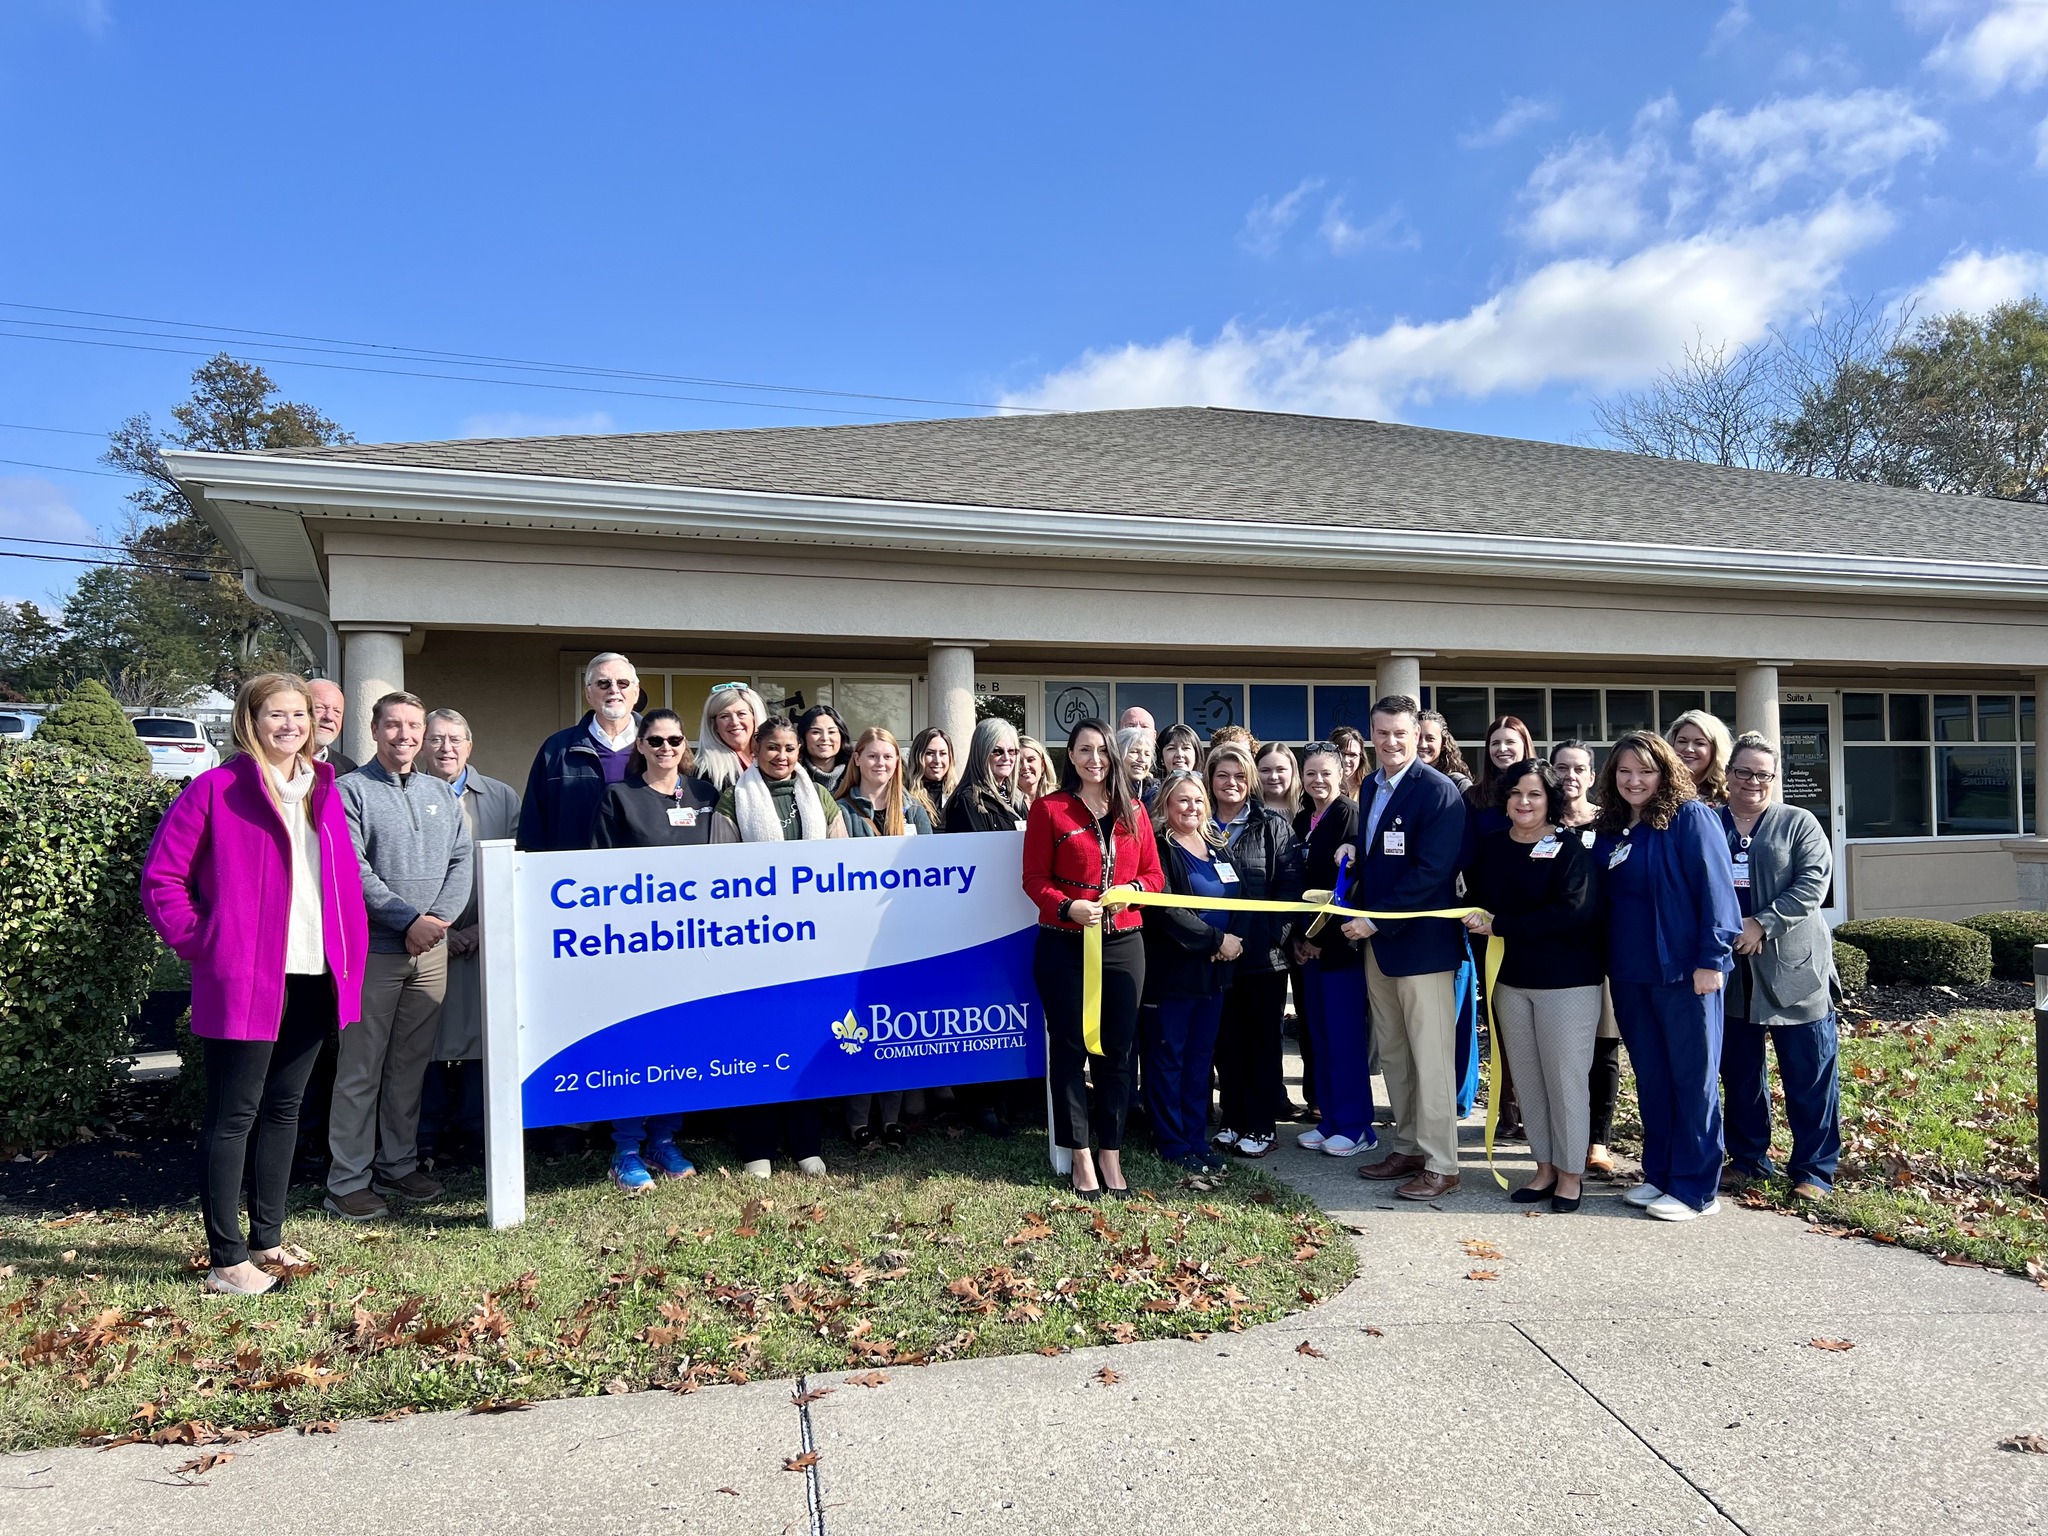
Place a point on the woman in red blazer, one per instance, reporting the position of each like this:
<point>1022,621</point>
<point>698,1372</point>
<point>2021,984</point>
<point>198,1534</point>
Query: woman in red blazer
<point>1081,843</point>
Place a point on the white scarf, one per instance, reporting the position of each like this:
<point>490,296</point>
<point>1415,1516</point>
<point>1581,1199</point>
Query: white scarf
<point>753,805</point>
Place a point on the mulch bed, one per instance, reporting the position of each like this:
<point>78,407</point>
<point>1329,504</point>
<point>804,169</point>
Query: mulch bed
<point>1902,1004</point>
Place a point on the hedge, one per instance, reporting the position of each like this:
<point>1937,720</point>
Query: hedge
<point>1916,949</point>
<point>2013,936</point>
<point>75,951</point>
<point>1852,966</point>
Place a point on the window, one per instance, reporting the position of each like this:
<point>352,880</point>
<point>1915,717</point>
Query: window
<point>1160,700</point>
<point>1977,795</point>
<point>166,729</point>
<point>1952,717</point>
<point>1343,704</point>
<point>1575,714</point>
<point>1212,706</point>
<point>1526,705</point>
<point>1628,709</point>
<point>1068,704</point>
<point>1721,703</point>
<point>1467,711</point>
<point>2027,801</point>
<point>1909,717</point>
<point>1953,765</point>
<point>864,702</point>
<point>1673,702</point>
<point>1863,716</point>
<point>1887,791</point>
<point>1996,718</point>
<point>1280,711</point>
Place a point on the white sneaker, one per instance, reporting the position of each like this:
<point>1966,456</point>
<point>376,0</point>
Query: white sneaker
<point>1339,1146</point>
<point>1254,1146</point>
<point>1671,1208</point>
<point>811,1167</point>
<point>1642,1196</point>
<point>759,1168</point>
<point>1225,1138</point>
<point>1309,1140</point>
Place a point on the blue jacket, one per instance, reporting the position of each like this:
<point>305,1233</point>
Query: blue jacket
<point>1692,889</point>
<point>564,788</point>
<point>1429,814</point>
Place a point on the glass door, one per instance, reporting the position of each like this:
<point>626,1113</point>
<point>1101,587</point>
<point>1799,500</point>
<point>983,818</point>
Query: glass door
<point>1810,775</point>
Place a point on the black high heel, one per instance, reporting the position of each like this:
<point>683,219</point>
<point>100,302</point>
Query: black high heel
<point>1089,1194</point>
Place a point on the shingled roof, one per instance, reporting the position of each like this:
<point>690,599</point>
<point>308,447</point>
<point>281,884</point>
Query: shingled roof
<point>1254,466</point>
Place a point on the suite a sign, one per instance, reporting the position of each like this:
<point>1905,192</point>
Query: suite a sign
<point>630,982</point>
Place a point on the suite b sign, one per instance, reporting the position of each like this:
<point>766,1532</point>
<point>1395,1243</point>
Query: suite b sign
<point>630,982</point>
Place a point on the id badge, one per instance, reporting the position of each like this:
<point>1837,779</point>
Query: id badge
<point>1742,871</point>
<point>1620,855</point>
<point>1394,844</point>
<point>1225,873</point>
<point>682,815</point>
<point>1547,849</point>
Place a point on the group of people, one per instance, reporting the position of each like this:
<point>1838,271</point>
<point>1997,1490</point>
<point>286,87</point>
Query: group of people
<point>328,912</point>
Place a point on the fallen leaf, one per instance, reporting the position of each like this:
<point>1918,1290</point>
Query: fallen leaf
<point>1120,1333</point>
<point>800,1463</point>
<point>1375,1333</point>
<point>1837,1345</point>
<point>1107,1377</point>
<point>1479,1248</point>
<point>68,1256</point>
<point>2031,1441</point>
<point>203,1463</point>
<point>734,1492</point>
<point>1263,1197</point>
<point>801,1399</point>
<point>500,1405</point>
<point>321,1427</point>
<point>867,1379</point>
<point>618,1386</point>
<point>1483,1274</point>
<point>1052,1349</point>
<point>1306,1348</point>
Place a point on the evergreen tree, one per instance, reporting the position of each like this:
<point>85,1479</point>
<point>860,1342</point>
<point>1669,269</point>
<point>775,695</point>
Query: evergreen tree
<point>90,722</point>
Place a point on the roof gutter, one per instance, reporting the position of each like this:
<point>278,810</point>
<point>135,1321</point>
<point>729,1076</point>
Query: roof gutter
<point>252,584</point>
<point>426,497</point>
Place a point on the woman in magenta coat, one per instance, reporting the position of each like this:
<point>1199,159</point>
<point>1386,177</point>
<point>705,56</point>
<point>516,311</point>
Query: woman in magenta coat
<point>253,879</point>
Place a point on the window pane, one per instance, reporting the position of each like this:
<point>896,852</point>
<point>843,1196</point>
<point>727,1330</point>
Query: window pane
<point>1887,791</point>
<point>1722,702</point>
<point>1909,717</point>
<point>1575,713</point>
<point>791,696</point>
<point>1526,705</point>
<point>865,702</point>
<point>1673,702</point>
<point>1068,704</point>
<point>1978,794</point>
<point>2027,717</point>
<point>1466,710</point>
<point>1280,711</point>
<point>1952,717</point>
<point>1160,700</point>
<point>1995,717</point>
<point>1343,704</point>
<point>1211,706</point>
<point>1863,716</point>
<point>2027,787</point>
<point>1628,709</point>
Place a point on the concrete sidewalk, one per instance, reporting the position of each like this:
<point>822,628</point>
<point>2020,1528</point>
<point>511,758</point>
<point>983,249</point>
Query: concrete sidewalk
<point>1620,1376</point>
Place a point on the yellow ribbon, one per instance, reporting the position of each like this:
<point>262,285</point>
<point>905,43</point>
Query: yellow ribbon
<point>1124,896</point>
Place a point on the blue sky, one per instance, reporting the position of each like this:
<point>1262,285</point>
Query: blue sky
<point>1478,216</point>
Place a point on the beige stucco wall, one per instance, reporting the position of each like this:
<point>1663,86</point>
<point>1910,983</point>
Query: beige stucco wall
<point>1946,879</point>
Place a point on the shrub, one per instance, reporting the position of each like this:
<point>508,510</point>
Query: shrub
<point>1915,949</point>
<point>75,950</point>
<point>2013,936</point>
<point>90,721</point>
<point>1853,966</point>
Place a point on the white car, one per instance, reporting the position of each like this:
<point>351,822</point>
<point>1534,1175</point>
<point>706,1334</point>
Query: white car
<point>178,748</point>
<point>18,722</point>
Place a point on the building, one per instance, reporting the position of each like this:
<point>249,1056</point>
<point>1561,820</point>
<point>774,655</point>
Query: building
<point>1213,565</point>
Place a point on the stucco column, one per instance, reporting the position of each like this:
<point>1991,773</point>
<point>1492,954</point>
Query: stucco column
<point>1399,672</point>
<point>949,682</point>
<point>1756,699</point>
<point>372,665</point>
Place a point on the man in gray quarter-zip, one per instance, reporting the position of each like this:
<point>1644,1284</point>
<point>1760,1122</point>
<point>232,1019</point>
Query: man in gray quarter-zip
<point>413,844</point>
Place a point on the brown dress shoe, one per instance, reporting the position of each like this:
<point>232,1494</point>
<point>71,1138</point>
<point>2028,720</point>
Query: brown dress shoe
<point>1397,1165</point>
<point>1427,1186</point>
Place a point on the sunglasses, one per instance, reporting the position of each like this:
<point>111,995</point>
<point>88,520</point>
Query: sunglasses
<point>726,687</point>
<point>661,741</point>
<point>609,685</point>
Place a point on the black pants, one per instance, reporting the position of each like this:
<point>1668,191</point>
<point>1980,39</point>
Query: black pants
<point>1603,1087</point>
<point>759,1130</point>
<point>1304,1043</point>
<point>451,1106</point>
<point>1248,1053</point>
<point>256,1085</point>
<point>1056,967</point>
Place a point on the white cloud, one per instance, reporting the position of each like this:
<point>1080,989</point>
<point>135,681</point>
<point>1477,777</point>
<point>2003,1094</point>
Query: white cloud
<point>1521,112</point>
<point>1733,22</point>
<point>1270,218</point>
<point>1586,194</point>
<point>1391,231</point>
<point>1830,138</point>
<point>2041,146</point>
<point>525,424</point>
<point>2007,46</point>
<point>1586,320</point>
<point>1975,282</point>
<point>33,508</point>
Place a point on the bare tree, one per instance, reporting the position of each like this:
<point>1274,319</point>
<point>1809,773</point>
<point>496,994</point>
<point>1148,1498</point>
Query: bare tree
<point>1714,407</point>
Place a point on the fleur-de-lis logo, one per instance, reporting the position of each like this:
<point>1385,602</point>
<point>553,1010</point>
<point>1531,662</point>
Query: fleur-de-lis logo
<point>850,1033</point>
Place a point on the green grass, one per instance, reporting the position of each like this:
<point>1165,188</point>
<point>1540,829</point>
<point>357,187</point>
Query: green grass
<point>895,1260</point>
<point>1938,1140</point>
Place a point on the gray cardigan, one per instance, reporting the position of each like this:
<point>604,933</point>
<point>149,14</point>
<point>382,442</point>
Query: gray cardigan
<point>1790,864</point>
<point>413,845</point>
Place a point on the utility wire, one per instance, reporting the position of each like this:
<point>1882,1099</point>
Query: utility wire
<point>16,538</point>
<point>119,565</point>
<point>66,469</point>
<point>18,426</point>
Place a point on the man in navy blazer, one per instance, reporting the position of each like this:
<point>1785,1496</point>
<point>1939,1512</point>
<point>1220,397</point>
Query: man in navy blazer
<point>1411,842</point>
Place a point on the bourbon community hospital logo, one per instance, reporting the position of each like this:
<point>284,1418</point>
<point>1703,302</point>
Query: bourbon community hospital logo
<point>896,1034</point>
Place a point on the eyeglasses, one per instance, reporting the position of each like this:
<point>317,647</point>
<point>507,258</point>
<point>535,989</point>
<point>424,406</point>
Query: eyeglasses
<point>1752,775</point>
<point>612,685</point>
<point>661,741</point>
<point>726,687</point>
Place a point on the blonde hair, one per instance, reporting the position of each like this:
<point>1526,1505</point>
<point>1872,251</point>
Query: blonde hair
<point>1712,785</point>
<point>888,814</point>
<point>1211,833</point>
<point>1048,776</point>
<point>715,760</point>
<point>256,693</point>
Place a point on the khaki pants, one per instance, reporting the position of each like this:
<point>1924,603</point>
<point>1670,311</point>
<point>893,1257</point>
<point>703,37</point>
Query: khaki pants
<point>381,1068</point>
<point>1415,1025</point>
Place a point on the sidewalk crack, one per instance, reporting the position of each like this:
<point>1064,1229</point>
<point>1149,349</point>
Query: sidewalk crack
<point>814,1493</point>
<point>1633,1432</point>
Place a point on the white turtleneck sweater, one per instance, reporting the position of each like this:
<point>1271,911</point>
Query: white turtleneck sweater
<point>305,949</point>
